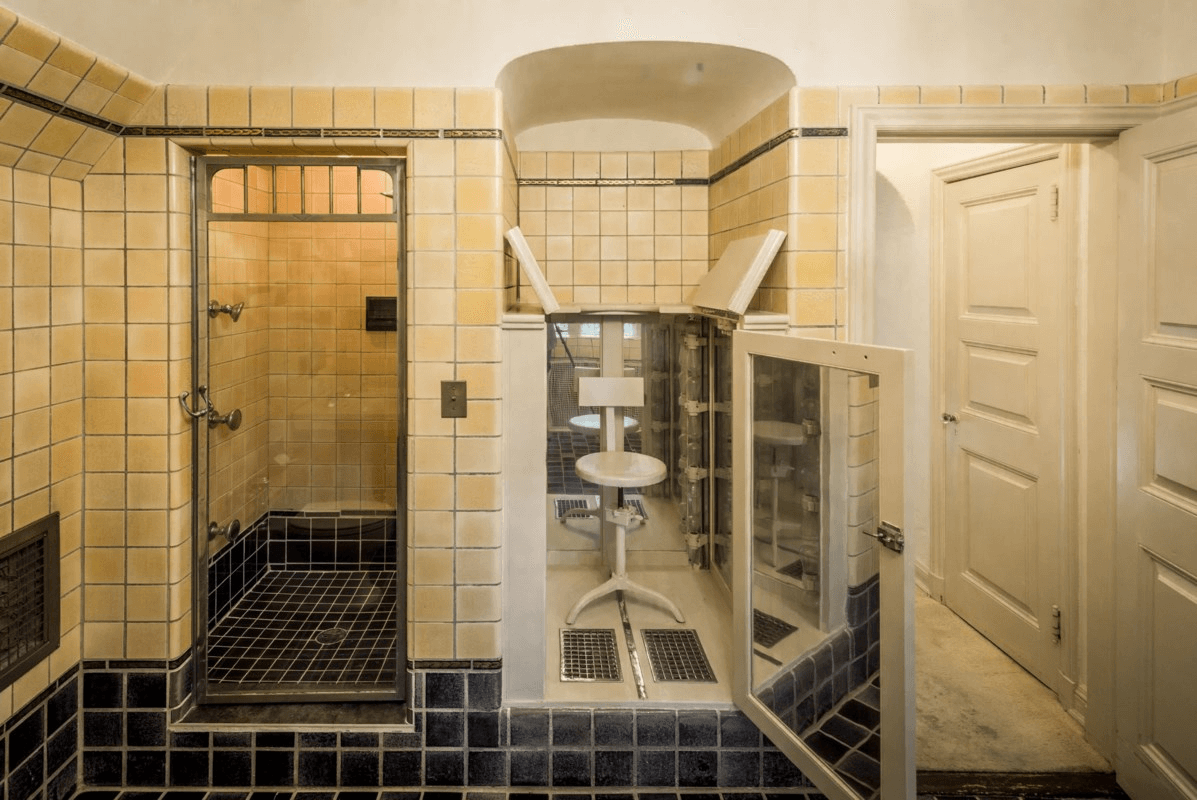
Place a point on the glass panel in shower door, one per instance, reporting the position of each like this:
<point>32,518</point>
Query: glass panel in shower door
<point>821,604</point>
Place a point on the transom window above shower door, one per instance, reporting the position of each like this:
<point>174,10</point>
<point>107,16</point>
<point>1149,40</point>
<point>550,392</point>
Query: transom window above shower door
<point>302,189</point>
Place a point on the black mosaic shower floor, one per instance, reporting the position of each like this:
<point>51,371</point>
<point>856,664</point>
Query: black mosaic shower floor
<point>564,449</point>
<point>307,628</point>
<point>850,739</point>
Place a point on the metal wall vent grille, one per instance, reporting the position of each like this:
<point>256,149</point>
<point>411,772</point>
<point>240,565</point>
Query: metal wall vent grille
<point>29,599</point>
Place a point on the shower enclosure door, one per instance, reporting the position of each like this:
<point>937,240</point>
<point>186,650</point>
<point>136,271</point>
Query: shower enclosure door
<point>299,416</point>
<point>822,596</point>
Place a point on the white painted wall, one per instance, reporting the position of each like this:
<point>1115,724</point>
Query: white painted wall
<point>467,42</point>
<point>903,295</point>
<point>1179,44</point>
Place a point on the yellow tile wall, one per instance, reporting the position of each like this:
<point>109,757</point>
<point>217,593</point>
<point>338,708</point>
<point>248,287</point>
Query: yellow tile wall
<point>637,243</point>
<point>238,365</point>
<point>332,386</point>
<point>136,309</point>
<point>460,201</point>
<point>41,389</point>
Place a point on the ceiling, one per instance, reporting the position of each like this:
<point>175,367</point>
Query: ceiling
<point>707,87</point>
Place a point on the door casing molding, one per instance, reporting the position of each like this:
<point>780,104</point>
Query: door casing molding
<point>1093,345</point>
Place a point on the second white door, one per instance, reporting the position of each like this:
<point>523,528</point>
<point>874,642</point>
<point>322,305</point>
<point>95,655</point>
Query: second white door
<point>1005,317</point>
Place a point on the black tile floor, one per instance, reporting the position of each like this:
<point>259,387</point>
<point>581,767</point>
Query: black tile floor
<point>526,794</point>
<point>309,628</point>
<point>849,738</point>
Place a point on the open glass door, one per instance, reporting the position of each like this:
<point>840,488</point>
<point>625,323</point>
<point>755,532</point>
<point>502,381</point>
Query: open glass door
<point>822,595</point>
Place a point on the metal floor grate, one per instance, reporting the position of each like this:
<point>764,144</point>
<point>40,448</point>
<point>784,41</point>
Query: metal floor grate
<point>792,570</point>
<point>677,655</point>
<point>589,654</point>
<point>768,630</point>
<point>563,504</point>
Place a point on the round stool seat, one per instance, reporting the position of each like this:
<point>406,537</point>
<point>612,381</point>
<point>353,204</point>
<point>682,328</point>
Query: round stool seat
<point>588,424</point>
<point>620,468</point>
<point>776,432</point>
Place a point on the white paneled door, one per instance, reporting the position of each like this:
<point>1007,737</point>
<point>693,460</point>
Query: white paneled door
<point>1156,587</point>
<point>1005,317</point>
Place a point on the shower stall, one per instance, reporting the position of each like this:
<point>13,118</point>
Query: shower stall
<point>299,354</point>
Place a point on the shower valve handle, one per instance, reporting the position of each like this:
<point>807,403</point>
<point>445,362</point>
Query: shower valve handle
<point>201,392</point>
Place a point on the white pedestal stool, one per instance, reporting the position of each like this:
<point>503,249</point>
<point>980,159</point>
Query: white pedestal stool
<point>613,467</point>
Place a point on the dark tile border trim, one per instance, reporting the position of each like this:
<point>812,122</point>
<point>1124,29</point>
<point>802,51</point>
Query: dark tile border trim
<point>742,161</point>
<point>42,103</point>
<point>455,663</point>
<point>781,138</point>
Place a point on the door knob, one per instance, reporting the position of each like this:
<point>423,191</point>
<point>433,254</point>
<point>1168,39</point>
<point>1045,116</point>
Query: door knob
<point>946,417</point>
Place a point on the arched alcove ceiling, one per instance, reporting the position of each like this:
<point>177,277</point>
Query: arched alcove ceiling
<point>708,87</point>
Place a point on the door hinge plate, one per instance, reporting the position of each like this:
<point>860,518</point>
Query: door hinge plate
<point>890,536</point>
<point>1055,203</point>
<point>1057,630</point>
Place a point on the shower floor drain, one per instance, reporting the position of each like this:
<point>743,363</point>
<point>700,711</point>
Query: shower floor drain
<point>768,630</point>
<point>677,655</point>
<point>589,654</point>
<point>331,636</point>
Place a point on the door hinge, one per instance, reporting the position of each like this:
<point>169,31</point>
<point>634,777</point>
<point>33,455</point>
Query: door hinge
<point>1056,630</point>
<point>889,535</point>
<point>1055,202</point>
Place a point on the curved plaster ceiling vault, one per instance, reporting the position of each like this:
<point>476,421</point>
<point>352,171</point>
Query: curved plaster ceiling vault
<point>710,88</point>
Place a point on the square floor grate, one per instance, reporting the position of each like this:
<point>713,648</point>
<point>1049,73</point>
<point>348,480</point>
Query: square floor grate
<point>589,654</point>
<point>677,655</point>
<point>768,630</point>
<point>564,504</point>
<point>792,570</point>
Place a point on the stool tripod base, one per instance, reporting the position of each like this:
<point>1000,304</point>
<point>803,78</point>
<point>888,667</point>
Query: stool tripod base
<point>622,583</point>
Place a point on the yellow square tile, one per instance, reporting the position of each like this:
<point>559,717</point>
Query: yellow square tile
<point>939,95</point>
<point>433,157</point>
<point>432,640</point>
<point>559,165</point>
<point>20,125</point>
<point>477,108</point>
<point>186,105</point>
<point>311,107</point>
<point>478,640</point>
<point>1064,95</point>
<point>353,107</point>
<point>32,39</point>
<point>1022,95</point>
<point>1186,86</point>
<point>1145,93</point>
<point>433,108</point>
<point>480,157</point>
<point>393,108</point>
<point>71,58</point>
<point>228,106</point>
<point>982,95</point>
<point>145,155</point>
<point>270,106</point>
<point>899,95</point>
<point>1105,95</point>
<point>817,107</point>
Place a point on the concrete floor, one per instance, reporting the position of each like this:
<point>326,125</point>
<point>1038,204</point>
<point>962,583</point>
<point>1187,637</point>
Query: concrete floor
<point>978,711</point>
